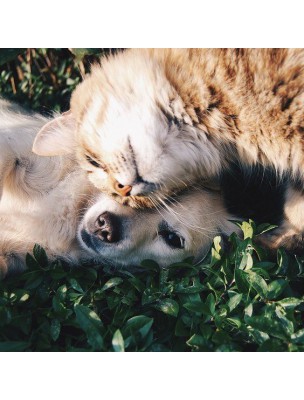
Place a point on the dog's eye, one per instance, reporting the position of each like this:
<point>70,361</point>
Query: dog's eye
<point>94,163</point>
<point>172,239</point>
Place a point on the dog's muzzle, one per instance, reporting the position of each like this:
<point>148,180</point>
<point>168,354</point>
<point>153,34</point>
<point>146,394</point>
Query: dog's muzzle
<point>105,230</point>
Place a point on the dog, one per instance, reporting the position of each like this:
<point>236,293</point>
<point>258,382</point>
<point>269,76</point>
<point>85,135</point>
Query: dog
<point>50,201</point>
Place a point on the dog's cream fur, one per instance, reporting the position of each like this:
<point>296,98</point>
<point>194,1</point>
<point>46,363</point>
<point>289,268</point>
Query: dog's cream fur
<point>47,200</point>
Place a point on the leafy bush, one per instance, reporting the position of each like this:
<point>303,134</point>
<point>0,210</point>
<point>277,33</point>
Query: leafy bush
<point>237,300</point>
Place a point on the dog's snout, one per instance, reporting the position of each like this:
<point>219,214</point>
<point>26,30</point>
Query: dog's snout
<point>107,227</point>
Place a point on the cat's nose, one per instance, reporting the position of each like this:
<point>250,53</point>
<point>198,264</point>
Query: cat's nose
<point>107,228</point>
<point>122,190</point>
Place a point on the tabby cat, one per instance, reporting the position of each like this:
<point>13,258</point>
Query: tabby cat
<point>147,123</point>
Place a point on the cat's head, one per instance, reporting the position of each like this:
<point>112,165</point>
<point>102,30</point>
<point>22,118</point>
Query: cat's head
<point>132,133</point>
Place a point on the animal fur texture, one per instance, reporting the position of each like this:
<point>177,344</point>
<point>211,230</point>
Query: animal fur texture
<point>50,201</point>
<point>146,123</point>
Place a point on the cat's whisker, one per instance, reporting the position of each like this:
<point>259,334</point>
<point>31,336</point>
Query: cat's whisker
<point>183,221</point>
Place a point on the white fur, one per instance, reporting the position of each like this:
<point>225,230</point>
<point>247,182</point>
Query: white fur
<point>44,198</point>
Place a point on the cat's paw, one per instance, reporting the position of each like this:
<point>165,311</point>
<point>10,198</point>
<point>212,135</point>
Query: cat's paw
<point>290,239</point>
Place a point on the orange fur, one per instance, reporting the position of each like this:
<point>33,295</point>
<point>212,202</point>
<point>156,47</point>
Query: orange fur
<point>172,117</point>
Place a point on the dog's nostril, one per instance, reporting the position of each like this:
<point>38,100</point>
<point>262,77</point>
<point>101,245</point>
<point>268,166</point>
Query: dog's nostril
<point>100,222</point>
<point>122,190</point>
<point>108,227</point>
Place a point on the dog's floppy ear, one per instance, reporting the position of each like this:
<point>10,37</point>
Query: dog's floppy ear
<point>57,137</point>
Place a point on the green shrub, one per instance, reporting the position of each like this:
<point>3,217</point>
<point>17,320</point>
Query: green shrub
<point>237,300</point>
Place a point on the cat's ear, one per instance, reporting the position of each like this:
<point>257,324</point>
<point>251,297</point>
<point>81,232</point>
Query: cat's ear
<point>57,137</point>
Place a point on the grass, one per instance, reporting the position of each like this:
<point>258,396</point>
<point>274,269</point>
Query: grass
<point>240,299</point>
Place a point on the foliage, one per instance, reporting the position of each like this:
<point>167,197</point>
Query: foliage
<point>43,79</point>
<point>237,300</point>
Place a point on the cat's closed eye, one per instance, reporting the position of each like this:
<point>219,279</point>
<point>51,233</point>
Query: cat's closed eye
<point>96,164</point>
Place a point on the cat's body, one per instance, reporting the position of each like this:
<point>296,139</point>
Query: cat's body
<point>147,123</point>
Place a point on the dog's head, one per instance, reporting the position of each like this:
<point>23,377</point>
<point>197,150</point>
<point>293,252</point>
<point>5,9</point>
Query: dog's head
<point>132,132</point>
<point>125,236</point>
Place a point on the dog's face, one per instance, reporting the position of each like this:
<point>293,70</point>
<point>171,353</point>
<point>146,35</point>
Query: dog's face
<point>125,236</point>
<point>132,134</point>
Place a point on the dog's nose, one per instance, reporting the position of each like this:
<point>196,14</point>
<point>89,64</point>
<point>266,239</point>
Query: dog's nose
<point>107,227</point>
<point>122,190</point>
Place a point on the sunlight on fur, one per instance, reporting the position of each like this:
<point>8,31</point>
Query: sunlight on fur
<point>159,120</point>
<point>50,201</point>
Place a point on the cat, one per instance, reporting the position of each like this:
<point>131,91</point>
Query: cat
<point>147,123</point>
<point>50,201</point>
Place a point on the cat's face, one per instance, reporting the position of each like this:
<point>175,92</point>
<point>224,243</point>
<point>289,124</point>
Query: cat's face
<point>124,236</point>
<point>133,151</point>
<point>132,134</point>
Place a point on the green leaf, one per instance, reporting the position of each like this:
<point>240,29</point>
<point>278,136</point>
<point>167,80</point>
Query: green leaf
<point>91,324</point>
<point>267,265</point>
<point>168,306</point>
<point>197,307</point>
<point>55,329</point>
<point>259,337</point>
<point>247,229</point>
<point>75,285</point>
<point>273,345</point>
<point>258,283</point>
<point>282,262</point>
<point>241,255</point>
<point>264,228</point>
<point>285,322</point>
<point>298,337</point>
<point>150,265</point>
<point>270,326</point>
<point>5,316</point>
<point>31,263</point>
<point>139,323</point>
<point>246,262</point>
<point>194,286</point>
<point>275,288</point>
<point>217,244</point>
<point>210,302</point>
<point>111,283</point>
<point>290,302</point>
<point>196,341</point>
<point>215,257</point>
<point>13,346</point>
<point>241,280</point>
<point>80,53</point>
<point>249,310</point>
<point>150,295</point>
<point>235,322</point>
<point>58,306</point>
<point>40,256</point>
<point>118,341</point>
<point>35,278</point>
<point>234,301</point>
<point>62,292</point>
